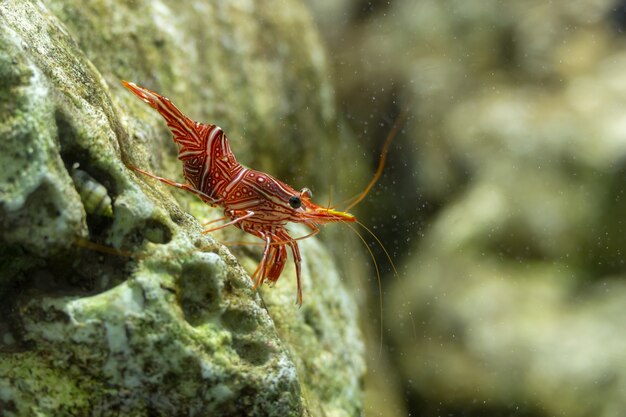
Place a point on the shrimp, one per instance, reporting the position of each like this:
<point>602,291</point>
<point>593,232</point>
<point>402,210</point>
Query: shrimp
<point>253,201</point>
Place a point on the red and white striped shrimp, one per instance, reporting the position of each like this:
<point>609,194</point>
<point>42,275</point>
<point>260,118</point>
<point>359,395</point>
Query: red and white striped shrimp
<point>254,201</point>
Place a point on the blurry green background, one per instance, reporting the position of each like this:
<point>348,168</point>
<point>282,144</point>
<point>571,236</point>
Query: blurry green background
<point>502,202</point>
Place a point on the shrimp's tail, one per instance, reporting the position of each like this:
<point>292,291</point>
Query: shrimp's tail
<point>193,139</point>
<point>183,128</point>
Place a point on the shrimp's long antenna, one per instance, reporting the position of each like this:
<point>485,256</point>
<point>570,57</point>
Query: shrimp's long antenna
<point>395,271</point>
<point>381,162</point>
<point>330,196</point>
<point>393,266</point>
<point>380,288</point>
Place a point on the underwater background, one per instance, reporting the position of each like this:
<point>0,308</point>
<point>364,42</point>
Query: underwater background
<point>503,199</point>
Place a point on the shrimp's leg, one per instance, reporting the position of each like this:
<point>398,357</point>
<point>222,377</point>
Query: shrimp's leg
<point>260,270</point>
<point>297,260</point>
<point>230,223</point>
<point>289,238</point>
<point>214,221</point>
<point>206,198</point>
<point>277,263</point>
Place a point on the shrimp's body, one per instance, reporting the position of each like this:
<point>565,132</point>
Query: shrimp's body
<point>254,201</point>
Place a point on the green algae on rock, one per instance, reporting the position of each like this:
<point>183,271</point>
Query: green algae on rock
<point>165,321</point>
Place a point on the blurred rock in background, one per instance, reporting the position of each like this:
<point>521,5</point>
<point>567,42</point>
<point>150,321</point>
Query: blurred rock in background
<point>503,200</point>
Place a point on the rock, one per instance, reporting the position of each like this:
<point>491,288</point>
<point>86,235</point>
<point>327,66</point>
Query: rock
<point>113,301</point>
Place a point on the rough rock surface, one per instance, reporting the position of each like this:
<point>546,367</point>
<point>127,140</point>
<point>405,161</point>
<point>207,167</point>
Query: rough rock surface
<point>112,301</point>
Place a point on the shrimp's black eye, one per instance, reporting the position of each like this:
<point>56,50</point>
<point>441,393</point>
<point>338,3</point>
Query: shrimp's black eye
<point>295,201</point>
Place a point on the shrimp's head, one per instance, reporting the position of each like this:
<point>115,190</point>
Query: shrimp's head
<point>309,212</point>
<point>281,203</point>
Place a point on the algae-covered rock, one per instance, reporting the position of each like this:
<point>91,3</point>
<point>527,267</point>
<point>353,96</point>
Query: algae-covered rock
<point>112,300</point>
